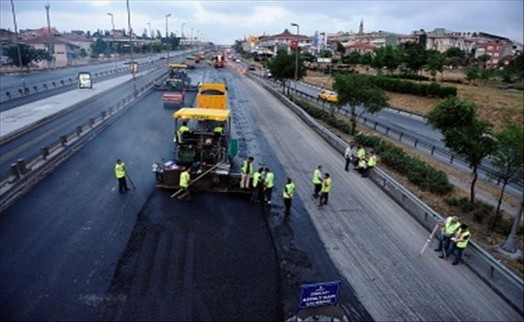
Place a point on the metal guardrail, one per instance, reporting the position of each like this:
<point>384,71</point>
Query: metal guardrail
<point>432,149</point>
<point>497,276</point>
<point>25,175</point>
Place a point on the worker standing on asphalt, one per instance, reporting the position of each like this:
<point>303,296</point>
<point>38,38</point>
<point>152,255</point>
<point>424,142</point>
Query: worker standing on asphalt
<point>317,181</point>
<point>361,167</point>
<point>269,183</point>
<point>348,155</point>
<point>258,186</point>
<point>246,173</point>
<point>181,131</point>
<point>372,162</point>
<point>326,187</point>
<point>185,179</point>
<point>120,174</point>
<point>448,229</point>
<point>460,243</point>
<point>289,191</point>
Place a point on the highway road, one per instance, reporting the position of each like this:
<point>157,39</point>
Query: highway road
<point>73,248</point>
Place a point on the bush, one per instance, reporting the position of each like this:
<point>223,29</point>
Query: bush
<point>410,76</point>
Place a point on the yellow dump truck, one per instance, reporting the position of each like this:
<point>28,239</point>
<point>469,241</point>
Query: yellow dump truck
<point>212,96</point>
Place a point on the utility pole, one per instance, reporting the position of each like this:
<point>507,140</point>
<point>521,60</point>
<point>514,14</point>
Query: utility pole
<point>167,38</point>
<point>16,35</point>
<point>131,47</point>
<point>296,57</point>
<point>50,45</point>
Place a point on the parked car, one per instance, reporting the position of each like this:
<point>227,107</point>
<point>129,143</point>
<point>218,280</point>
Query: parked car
<point>328,96</point>
<point>252,67</point>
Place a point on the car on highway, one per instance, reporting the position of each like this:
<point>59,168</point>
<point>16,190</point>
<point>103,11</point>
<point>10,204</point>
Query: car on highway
<point>252,67</point>
<point>328,96</point>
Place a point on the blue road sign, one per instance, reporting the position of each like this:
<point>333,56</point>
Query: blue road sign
<point>319,294</point>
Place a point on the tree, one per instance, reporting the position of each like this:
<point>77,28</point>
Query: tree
<point>455,52</point>
<point>28,54</point>
<point>357,90</point>
<point>353,58</point>
<point>464,133</point>
<point>340,48</point>
<point>366,59</point>
<point>99,47</point>
<point>487,74</point>
<point>282,67</point>
<point>508,157</point>
<point>471,73</point>
<point>436,62</point>
<point>483,60</point>
<point>415,56</point>
<point>326,53</point>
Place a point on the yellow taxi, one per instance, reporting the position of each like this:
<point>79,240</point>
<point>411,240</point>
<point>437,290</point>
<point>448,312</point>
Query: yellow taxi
<point>328,96</point>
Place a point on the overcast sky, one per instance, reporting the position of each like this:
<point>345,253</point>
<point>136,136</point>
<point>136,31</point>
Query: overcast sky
<point>225,21</point>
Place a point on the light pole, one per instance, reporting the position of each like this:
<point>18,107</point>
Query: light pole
<point>112,22</point>
<point>51,51</point>
<point>16,35</point>
<point>296,56</point>
<point>167,37</point>
<point>131,47</point>
<point>191,44</point>
<point>149,25</point>
<point>182,29</point>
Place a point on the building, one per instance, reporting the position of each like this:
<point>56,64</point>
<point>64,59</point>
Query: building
<point>273,43</point>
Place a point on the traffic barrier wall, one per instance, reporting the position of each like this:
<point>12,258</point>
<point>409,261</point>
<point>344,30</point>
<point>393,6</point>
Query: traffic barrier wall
<point>497,276</point>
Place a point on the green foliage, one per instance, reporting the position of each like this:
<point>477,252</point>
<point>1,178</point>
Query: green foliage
<point>455,52</point>
<point>325,116</point>
<point>415,56</point>
<point>410,76</point>
<point>478,211</point>
<point>340,48</point>
<point>366,59</point>
<point>487,74</point>
<point>471,73</point>
<point>416,170</point>
<point>436,62</point>
<point>282,67</point>
<point>353,58</point>
<point>28,54</point>
<point>389,57</point>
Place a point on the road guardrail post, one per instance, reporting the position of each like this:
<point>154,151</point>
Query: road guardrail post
<point>91,122</point>
<point>44,151</point>
<point>63,140</point>
<point>103,114</point>
<point>78,130</point>
<point>22,166</point>
<point>14,170</point>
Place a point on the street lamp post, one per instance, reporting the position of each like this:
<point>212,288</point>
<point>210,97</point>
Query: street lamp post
<point>167,37</point>
<point>296,56</point>
<point>131,46</point>
<point>51,51</point>
<point>16,35</point>
<point>112,21</point>
<point>182,29</point>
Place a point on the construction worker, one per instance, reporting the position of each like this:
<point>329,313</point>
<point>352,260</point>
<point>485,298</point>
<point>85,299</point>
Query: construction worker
<point>348,155</point>
<point>460,243</point>
<point>447,230</point>
<point>361,155</point>
<point>246,173</point>
<point>371,163</point>
<point>120,174</point>
<point>326,187</point>
<point>181,131</point>
<point>185,179</point>
<point>361,167</point>
<point>269,183</point>
<point>289,191</point>
<point>317,181</point>
<point>258,186</point>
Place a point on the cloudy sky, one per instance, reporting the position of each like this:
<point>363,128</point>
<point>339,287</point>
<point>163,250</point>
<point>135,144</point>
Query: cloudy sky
<point>225,21</point>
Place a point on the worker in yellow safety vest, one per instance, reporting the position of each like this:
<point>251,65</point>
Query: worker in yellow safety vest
<point>361,155</point>
<point>317,181</point>
<point>371,163</point>
<point>448,228</point>
<point>181,131</point>
<point>269,183</point>
<point>185,179</point>
<point>246,173</point>
<point>461,241</point>
<point>258,186</point>
<point>120,174</point>
<point>327,183</point>
<point>289,191</point>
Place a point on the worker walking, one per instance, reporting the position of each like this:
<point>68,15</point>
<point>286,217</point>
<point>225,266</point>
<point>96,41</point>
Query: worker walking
<point>258,186</point>
<point>181,132</point>
<point>448,229</point>
<point>326,187</point>
<point>460,243</point>
<point>120,174</point>
<point>269,183</point>
<point>348,156</point>
<point>371,163</point>
<point>317,181</point>
<point>289,191</point>
<point>185,179</point>
<point>246,173</point>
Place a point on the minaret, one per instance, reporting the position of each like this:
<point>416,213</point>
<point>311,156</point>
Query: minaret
<point>361,27</point>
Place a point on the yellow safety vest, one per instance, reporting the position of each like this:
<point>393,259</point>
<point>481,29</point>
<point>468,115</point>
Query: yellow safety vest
<point>362,163</point>
<point>361,153</point>
<point>219,130</point>
<point>269,179</point>
<point>181,131</point>
<point>372,161</point>
<point>247,168</point>
<point>326,185</point>
<point>256,179</point>
<point>184,179</point>
<point>120,170</point>
<point>448,228</point>
<point>317,177</point>
<point>289,190</point>
<point>463,235</point>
